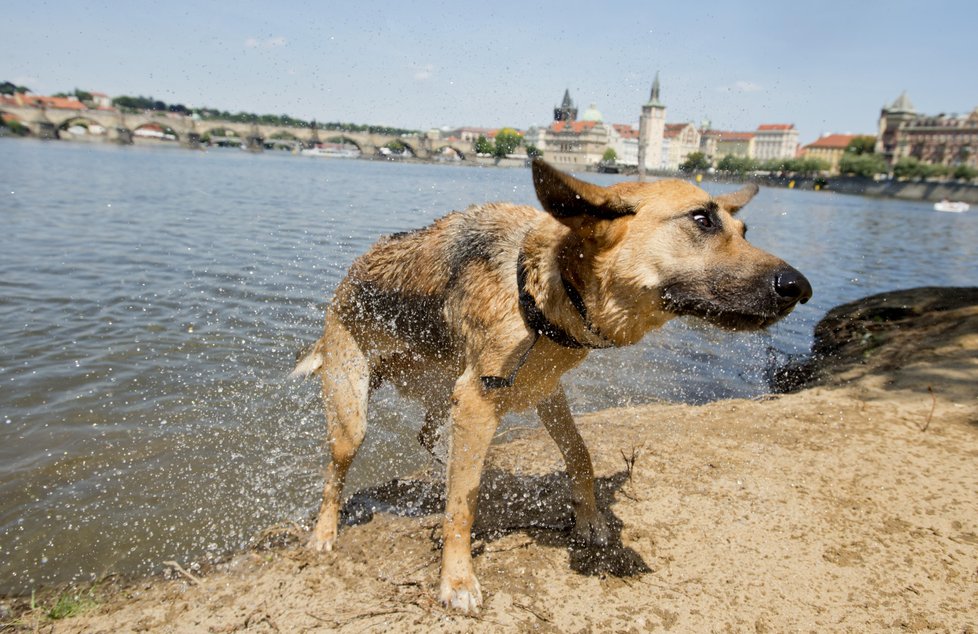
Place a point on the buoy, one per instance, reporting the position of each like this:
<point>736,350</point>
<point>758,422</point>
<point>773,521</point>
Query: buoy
<point>791,184</point>
<point>699,178</point>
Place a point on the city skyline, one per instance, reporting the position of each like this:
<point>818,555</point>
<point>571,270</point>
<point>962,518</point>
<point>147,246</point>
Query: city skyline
<point>430,64</point>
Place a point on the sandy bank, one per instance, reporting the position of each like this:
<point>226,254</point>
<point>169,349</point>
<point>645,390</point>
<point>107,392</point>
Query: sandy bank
<point>848,504</point>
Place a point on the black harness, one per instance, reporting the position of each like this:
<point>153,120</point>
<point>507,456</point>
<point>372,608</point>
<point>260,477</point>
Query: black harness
<point>539,325</point>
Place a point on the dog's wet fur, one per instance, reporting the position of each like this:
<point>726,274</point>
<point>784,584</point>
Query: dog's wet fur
<point>483,311</point>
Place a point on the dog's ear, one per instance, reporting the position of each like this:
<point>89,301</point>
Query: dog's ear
<point>733,201</point>
<point>567,198</point>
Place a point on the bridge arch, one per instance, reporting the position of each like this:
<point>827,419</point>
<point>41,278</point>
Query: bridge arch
<point>448,153</point>
<point>81,127</point>
<point>155,131</point>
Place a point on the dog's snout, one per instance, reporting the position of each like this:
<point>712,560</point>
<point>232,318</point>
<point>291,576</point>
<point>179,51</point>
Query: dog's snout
<point>792,287</point>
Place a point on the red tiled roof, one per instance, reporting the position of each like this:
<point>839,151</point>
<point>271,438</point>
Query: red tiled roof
<point>775,126</point>
<point>626,131</point>
<point>832,141</point>
<point>577,127</point>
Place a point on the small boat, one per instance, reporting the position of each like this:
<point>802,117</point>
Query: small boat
<point>332,150</point>
<point>955,206</point>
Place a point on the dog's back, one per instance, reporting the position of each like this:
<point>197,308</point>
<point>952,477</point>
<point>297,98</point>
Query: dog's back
<point>422,292</point>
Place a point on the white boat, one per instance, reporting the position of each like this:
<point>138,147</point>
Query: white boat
<point>332,150</point>
<point>951,205</point>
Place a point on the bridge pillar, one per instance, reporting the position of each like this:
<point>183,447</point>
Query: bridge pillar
<point>41,127</point>
<point>255,142</point>
<point>191,140</point>
<point>121,135</point>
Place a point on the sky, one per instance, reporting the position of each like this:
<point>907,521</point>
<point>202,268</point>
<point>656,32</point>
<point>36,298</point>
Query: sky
<point>826,66</point>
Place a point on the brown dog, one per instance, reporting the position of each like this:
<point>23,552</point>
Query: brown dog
<point>482,312</point>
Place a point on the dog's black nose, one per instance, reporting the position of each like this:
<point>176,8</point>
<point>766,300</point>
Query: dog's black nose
<point>792,286</point>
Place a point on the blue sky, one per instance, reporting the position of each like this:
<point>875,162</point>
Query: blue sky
<point>824,66</point>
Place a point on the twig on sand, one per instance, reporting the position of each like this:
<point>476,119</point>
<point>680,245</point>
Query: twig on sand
<point>629,461</point>
<point>338,623</point>
<point>933,406</point>
<point>532,611</point>
<point>189,575</point>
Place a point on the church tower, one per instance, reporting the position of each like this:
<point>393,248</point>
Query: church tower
<point>567,110</point>
<point>651,129</point>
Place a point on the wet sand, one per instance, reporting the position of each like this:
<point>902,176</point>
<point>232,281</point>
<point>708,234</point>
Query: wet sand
<point>846,505</point>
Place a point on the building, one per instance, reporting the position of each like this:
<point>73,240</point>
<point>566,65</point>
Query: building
<point>679,140</point>
<point>576,144</point>
<point>829,148</point>
<point>581,143</point>
<point>716,144</point>
<point>775,141</point>
<point>651,131</point>
<point>939,139</point>
<point>624,141</point>
<point>892,118</point>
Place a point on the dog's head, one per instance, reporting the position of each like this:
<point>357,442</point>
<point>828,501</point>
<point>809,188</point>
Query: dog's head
<point>650,251</point>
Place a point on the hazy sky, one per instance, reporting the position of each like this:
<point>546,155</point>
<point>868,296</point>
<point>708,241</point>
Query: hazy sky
<point>825,66</point>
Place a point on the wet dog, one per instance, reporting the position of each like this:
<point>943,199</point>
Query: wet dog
<point>482,312</point>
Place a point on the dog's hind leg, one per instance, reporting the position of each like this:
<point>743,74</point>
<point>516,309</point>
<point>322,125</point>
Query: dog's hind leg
<point>590,526</point>
<point>346,385</point>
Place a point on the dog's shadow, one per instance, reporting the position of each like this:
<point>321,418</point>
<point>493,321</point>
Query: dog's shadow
<point>539,506</point>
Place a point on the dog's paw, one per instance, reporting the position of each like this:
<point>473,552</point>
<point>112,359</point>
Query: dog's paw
<point>464,595</point>
<point>591,530</point>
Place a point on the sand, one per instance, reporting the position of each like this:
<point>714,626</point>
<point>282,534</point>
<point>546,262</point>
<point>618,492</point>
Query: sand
<point>849,504</point>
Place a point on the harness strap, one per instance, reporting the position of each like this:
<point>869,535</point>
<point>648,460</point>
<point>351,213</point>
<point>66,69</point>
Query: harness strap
<point>539,325</point>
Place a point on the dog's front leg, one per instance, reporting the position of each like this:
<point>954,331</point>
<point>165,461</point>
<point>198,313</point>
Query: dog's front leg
<point>474,420</point>
<point>590,526</point>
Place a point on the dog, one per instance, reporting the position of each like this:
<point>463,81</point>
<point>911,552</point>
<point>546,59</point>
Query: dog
<point>484,310</point>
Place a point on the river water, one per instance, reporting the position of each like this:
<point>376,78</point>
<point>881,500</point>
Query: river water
<point>153,300</point>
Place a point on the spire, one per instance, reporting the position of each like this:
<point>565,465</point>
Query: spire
<point>902,104</point>
<point>567,103</point>
<point>654,96</point>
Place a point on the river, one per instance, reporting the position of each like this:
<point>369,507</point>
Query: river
<point>153,300</point>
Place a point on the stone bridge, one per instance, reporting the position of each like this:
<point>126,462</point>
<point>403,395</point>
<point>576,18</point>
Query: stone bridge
<point>53,123</point>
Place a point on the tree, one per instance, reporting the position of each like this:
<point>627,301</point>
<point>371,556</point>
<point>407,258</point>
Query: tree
<point>609,156</point>
<point>965,173</point>
<point>533,151</point>
<point>861,145</point>
<point>9,88</point>
<point>695,162</point>
<point>737,165</point>
<point>507,140</point>
<point>864,165</point>
<point>484,146</point>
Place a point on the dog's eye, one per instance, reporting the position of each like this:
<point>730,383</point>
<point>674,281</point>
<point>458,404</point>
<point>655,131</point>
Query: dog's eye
<point>703,219</point>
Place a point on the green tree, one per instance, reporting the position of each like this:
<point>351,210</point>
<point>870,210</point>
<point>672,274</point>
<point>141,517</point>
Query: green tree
<point>736,164</point>
<point>484,146</point>
<point>609,156</point>
<point>9,88</point>
<point>861,145</point>
<point>533,151</point>
<point>507,140</point>
<point>83,95</point>
<point>695,162</point>
<point>965,173</point>
<point>864,165</point>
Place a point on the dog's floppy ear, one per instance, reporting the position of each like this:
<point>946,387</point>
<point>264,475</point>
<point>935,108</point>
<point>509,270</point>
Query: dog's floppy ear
<point>566,197</point>
<point>733,201</point>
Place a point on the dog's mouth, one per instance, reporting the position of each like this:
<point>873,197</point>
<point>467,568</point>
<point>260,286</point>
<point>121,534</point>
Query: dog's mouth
<point>729,315</point>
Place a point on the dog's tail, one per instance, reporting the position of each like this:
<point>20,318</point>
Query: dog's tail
<point>308,360</point>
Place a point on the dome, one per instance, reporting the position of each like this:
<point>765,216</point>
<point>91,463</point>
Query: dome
<point>592,114</point>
